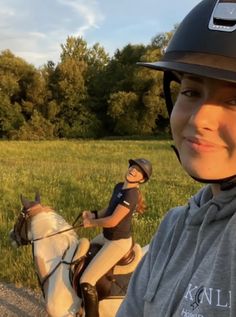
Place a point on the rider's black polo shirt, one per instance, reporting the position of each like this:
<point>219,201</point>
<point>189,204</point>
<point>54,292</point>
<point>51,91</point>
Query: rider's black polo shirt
<point>128,198</point>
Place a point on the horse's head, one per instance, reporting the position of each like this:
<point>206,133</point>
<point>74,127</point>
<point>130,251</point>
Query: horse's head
<point>19,234</point>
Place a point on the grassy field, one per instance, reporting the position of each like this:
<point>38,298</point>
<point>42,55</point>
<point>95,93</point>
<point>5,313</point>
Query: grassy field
<point>75,175</point>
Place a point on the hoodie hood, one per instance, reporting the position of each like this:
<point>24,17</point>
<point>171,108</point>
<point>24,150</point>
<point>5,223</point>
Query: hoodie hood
<point>204,207</point>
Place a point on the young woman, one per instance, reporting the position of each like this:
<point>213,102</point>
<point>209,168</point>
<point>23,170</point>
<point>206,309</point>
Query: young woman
<point>116,223</point>
<point>190,268</point>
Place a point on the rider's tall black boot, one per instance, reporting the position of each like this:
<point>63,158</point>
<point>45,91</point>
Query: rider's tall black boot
<point>90,299</point>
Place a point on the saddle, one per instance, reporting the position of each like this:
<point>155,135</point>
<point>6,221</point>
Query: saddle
<point>115,281</point>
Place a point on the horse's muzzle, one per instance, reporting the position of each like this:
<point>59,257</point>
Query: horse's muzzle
<point>13,239</point>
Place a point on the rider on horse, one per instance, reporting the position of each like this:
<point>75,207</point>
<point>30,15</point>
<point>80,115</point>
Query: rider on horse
<point>116,239</point>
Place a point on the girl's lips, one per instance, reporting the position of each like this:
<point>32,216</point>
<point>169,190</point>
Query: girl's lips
<point>201,144</point>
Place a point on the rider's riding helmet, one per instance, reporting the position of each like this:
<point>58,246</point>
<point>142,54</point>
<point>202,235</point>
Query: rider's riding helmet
<point>145,166</point>
<point>204,44</point>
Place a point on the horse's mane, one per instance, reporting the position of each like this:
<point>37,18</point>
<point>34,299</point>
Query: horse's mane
<point>48,221</point>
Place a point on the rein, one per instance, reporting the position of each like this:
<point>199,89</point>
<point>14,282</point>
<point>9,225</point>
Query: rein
<point>62,261</point>
<point>74,226</point>
<point>56,233</point>
<point>62,231</point>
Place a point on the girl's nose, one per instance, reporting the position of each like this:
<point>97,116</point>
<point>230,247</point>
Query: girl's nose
<point>206,116</point>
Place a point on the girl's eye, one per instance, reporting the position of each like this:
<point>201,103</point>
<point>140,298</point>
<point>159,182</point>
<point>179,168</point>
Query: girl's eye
<point>189,93</point>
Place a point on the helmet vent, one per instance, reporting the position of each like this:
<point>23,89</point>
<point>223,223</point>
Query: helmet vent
<point>223,17</point>
<point>224,23</point>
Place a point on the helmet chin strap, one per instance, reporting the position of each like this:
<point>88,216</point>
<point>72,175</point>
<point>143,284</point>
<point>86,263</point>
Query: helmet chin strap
<point>225,183</point>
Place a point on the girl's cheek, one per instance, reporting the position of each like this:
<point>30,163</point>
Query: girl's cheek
<point>176,115</point>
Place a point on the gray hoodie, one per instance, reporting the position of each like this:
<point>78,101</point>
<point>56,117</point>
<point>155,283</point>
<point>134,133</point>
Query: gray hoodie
<point>190,268</point>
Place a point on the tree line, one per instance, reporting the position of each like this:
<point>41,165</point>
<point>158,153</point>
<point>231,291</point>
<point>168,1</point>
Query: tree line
<point>87,94</point>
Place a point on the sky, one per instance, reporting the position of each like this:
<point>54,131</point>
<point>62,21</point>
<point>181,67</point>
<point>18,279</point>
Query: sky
<point>35,29</point>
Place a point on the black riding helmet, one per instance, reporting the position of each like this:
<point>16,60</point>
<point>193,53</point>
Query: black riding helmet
<point>204,44</point>
<point>145,166</point>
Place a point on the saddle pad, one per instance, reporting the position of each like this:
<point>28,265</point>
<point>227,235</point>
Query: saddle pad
<point>120,284</point>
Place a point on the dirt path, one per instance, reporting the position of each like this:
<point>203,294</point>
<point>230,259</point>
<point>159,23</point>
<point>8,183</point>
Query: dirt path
<point>20,302</point>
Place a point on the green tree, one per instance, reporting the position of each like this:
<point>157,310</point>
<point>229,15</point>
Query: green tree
<point>148,85</point>
<point>122,109</point>
<point>22,89</point>
<point>119,78</point>
<point>70,103</point>
<point>37,128</point>
<point>10,117</point>
<point>122,66</point>
<point>98,60</point>
<point>10,111</point>
<point>75,48</point>
<point>52,107</point>
<point>22,83</point>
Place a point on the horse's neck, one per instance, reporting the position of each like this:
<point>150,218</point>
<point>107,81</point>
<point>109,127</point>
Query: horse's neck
<point>46,223</point>
<point>48,251</point>
<point>50,257</point>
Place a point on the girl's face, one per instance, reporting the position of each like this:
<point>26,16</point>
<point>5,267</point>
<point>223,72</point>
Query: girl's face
<point>203,124</point>
<point>134,174</point>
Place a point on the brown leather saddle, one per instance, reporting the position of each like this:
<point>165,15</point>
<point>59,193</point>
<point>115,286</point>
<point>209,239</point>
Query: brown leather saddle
<point>108,285</point>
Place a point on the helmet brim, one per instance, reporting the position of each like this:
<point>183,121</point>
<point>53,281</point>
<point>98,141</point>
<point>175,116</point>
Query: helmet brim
<point>200,64</point>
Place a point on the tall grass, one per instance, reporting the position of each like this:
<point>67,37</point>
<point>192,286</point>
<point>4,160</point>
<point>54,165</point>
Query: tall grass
<point>72,176</point>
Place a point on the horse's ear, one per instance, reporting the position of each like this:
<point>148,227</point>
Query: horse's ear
<point>24,201</point>
<point>37,198</point>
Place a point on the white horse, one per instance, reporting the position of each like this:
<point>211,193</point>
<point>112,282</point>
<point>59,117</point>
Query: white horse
<point>55,249</point>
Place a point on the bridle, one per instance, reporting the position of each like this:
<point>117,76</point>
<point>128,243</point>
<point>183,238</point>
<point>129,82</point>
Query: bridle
<point>20,230</point>
<point>20,236</point>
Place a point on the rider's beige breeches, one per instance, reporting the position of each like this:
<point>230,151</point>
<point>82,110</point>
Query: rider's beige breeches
<point>107,257</point>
